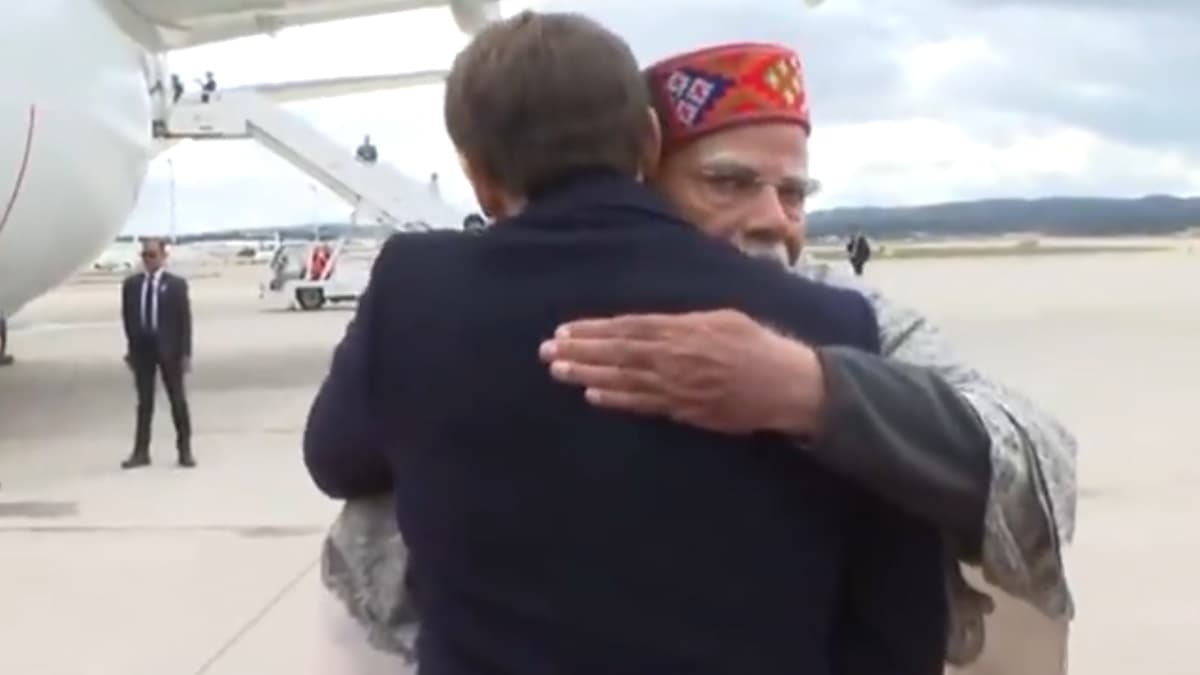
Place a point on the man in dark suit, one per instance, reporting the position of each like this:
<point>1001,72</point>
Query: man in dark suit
<point>6,359</point>
<point>367,153</point>
<point>157,313</point>
<point>548,536</point>
<point>858,250</point>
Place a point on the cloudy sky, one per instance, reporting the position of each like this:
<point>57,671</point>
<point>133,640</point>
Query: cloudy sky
<point>914,101</point>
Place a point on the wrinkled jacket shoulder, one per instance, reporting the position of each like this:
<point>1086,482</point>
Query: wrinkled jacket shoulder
<point>364,563</point>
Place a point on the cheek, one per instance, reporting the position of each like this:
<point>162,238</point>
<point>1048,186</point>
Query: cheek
<point>713,221</point>
<point>489,201</point>
<point>720,223</point>
<point>801,227</point>
<point>795,239</point>
<point>701,212</point>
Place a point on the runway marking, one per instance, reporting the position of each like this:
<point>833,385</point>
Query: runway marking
<point>59,326</point>
<point>244,531</point>
<point>258,617</point>
<point>38,509</point>
<point>22,169</point>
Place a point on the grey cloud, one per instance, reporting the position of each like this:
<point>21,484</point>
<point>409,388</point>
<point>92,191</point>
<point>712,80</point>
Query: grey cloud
<point>1124,69</point>
<point>1057,57</point>
<point>891,182</point>
<point>1135,6</point>
<point>845,54</point>
<point>1128,76</point>
<point>1121,69</point>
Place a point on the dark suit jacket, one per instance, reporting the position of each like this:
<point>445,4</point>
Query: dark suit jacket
<point>549,537</point>
<point>174,337</point>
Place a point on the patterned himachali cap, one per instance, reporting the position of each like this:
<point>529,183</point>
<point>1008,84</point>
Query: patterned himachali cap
<point>725,86</point>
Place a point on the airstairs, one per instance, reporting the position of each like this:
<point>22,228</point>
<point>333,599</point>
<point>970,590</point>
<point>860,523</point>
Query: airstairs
<point>378,192</point>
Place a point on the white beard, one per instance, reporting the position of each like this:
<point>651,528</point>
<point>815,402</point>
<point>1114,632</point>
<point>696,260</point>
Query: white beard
<point>776,252</point>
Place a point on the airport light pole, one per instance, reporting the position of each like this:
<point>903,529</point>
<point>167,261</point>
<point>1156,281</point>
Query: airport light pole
<point>171,171</point>
<point>314,217</point>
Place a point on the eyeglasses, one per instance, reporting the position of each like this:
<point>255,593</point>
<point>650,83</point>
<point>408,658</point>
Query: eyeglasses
<point>735,184</point>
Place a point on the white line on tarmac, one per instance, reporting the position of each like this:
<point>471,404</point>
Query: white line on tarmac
<point>60,326</point>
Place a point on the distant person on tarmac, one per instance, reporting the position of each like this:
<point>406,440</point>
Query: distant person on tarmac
<point>157,315</point>
<point>367,153</point>
<point>208,87</point>
<point>322,257</point>
<point>177,88</point>
<point>858,249</point>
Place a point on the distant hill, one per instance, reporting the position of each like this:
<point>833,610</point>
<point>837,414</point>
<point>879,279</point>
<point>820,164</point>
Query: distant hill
<point>1058,216</point>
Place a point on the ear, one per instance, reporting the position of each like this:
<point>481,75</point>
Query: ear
<point>652,157</point>
<point>487,192</point>
<point>794,247</point>
<point>794,241</point>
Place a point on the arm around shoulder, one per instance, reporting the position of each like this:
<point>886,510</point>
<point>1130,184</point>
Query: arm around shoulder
<point>909,437</point>
<point>127,313</point>
<point>185,317</point>
<point>1028,513</point>
<point>341,450</point>
<point>900,431</point>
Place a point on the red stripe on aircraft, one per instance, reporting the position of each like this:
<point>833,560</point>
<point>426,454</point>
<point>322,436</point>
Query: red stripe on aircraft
<point>24,168</point>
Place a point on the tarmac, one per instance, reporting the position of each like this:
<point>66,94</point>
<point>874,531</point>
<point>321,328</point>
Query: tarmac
<point>214,571</point>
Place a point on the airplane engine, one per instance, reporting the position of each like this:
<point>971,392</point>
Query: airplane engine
<point>472,15</point>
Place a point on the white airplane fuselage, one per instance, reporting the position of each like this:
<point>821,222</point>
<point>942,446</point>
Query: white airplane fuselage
<point>75,140</point>
<point>76,111</point>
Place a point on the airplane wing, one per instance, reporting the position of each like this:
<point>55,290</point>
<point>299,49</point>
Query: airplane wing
<point>162,25</point>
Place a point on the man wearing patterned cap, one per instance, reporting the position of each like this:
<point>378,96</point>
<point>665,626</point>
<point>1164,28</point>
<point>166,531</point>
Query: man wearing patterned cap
<point>736,125</point>
<point>549,537</point>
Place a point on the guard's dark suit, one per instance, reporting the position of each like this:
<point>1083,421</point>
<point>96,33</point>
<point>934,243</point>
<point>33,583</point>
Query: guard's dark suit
<point>549,537</point>
<point>5,359</point>
<point>158,334</point>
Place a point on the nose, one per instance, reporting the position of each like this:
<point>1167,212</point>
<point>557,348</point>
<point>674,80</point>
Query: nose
<point>771,220</point>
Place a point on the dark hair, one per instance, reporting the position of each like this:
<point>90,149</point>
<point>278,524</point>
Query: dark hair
<point>539,96</point>
<point>474,221</point>
<point>159,243</point>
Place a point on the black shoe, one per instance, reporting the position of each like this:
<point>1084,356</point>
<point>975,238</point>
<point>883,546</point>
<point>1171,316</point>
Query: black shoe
<point>7,360</point>
<point>135,462</point>
<point>186,459</point>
